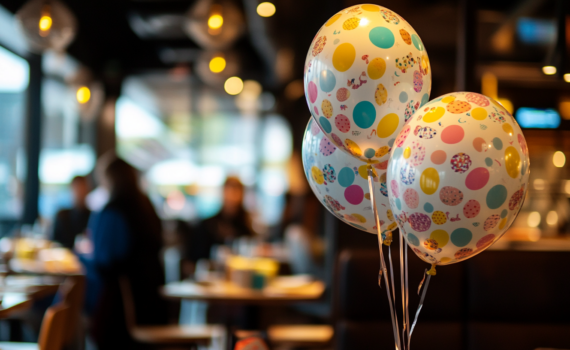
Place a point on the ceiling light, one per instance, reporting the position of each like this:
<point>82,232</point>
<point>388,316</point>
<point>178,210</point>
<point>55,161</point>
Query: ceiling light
<point>567,77</point>
<point>266,9</point>
<point>83,94</point>
<point>215,21</point>
<point>549,70</point>
<point>233,85</point>
<point>217,64</point>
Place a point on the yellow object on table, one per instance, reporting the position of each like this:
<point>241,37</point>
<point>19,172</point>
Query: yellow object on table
<point>253,273</point>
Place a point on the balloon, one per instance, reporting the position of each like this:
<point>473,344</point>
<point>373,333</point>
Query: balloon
<point>366,73</point>
<point>340,182</point>
<point>463,161</point>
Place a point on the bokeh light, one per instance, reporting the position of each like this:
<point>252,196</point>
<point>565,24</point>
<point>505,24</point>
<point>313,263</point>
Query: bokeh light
<point>215,21</point>
<point>233,85</point>
<point>45,23</point>
<point>549,70</point>
<point>83,94</point>
<point>217,64</point>
<point>558,159</point>
<point>533,219</point>
<point>266,9</point>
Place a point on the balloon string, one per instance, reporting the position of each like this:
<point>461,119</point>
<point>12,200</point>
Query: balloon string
<point>407,294</point>
<point>402,289</point>
<point>421,302</point>
<point>392,274</point>
<point>383,270</point>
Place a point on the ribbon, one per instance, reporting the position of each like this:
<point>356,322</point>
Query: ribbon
<point>403,272</point>
<point>407,295</point>
<point>383,271</point>
<point>428,274</point>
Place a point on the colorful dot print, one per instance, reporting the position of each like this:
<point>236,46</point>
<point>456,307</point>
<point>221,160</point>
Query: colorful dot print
<point>369,66</point>
<point>460,166</point>
<point>340,182</point>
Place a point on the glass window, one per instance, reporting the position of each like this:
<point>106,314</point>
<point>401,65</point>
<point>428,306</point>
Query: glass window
<point>14,78</point>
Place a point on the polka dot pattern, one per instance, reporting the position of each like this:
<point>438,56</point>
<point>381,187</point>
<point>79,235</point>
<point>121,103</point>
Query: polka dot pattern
<point>471,182</point>
<point>335,178</point>
<point>354,63</point>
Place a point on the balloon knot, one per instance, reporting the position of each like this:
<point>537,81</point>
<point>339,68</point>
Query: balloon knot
<point>432,271</point>
<point>388,239</point>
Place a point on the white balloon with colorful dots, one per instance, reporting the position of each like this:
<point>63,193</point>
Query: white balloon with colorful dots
<point>457,176</point>
<point>340,182</point>
<point>366,73</point>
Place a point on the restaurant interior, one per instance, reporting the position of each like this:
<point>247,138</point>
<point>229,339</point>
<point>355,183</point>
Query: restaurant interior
<point>154,192</point>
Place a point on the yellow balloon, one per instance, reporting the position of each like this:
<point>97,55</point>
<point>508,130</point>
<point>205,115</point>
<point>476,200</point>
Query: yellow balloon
<point>343,57</point>
<point>387,125</point>
<point>429,181</point>
<point>434,115</point>
<point>441,237</point>
<point>333,19</point>
<point>407,152</point>
<point>479,113</point>
<point>512,162</point>
<point>508,129</point>
<point>317,175</point>
<point>376,68</point>
<point>448,99</point>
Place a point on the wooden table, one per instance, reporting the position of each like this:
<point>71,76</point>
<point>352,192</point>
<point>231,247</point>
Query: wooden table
<point>17,293</point>
<point>228,293</point>
<point>37,267</point>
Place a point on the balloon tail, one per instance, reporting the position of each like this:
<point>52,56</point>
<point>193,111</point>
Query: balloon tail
<point>407,295</point>
<point>383,269</point>
<point>422,298</point>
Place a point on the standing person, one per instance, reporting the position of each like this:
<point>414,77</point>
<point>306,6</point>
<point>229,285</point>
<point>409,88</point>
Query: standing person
<point>126,237</point>
<point>68,223</point>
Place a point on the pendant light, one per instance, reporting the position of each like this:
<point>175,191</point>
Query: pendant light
<point>47,24</point>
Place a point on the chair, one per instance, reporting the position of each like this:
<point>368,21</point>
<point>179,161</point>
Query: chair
<point>168,334</point>
<point>52,333</point>
<point>362,313</point>
<point>72,292</point>
<point>518,300</point>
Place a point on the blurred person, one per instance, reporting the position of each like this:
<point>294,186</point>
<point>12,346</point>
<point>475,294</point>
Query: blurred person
<point>97,198</point>
<point>232,222</point>
<point>69,223</point>
<point>306,247</point>
<point>126,238</point>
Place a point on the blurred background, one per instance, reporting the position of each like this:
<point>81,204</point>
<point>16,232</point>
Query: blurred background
<point>191,93</point>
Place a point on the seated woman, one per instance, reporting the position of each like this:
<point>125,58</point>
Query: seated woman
<point>126,237</point>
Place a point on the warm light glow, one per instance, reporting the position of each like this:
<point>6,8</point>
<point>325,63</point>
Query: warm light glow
<point>266,9</point>
<point>215,21</point>
<point>567,77</point>
<point>564,109</point>
<point>363,22</point>
<point>507,104</point>
<point>549,70</point>
<point>45,23</point>
<point>539,184</point>
<point>533,219</point>
<point>567,187</point>
<point>489,85</point>
<point>552,218</point>
<point>83,94</point>
<point>217,64</point>
<point>558,159</point>
<point>233,85</point>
